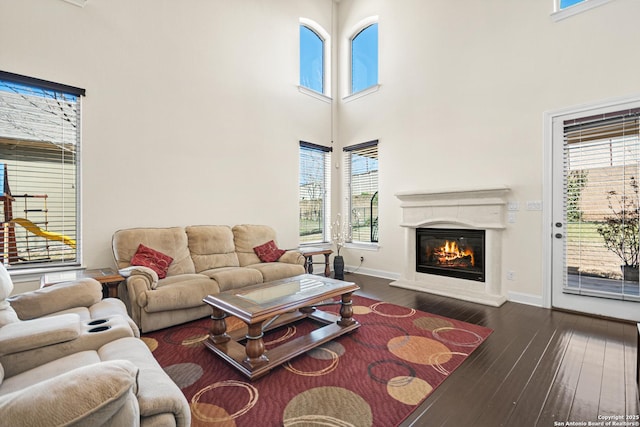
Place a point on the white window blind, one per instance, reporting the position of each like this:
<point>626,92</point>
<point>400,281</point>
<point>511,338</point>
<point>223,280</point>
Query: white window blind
<point>601,164</point>
<point>39,160</point>
<point>314,186</point>
<point>361,190</point>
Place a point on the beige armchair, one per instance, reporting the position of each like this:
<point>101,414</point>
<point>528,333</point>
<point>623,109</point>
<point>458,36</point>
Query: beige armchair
<point>49,323</point>
<point>119,384</point>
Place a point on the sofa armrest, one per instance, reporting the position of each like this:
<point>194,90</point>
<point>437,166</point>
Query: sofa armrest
<point>37,333</point>
<point>145,273</point>
<point>90,395</point>
<point>292,257</point>
<point>51,299</point>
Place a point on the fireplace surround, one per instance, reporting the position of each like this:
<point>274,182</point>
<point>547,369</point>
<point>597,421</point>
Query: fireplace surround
<point>476,209</point>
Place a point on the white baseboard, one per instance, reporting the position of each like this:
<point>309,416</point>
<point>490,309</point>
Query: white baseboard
<point>371,272</point>
<point>523,298</point>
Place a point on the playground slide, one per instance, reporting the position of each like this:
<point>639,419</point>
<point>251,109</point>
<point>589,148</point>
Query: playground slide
<point>49,235</point>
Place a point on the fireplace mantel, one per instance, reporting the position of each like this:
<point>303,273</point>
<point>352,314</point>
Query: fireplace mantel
<point>482,208</point>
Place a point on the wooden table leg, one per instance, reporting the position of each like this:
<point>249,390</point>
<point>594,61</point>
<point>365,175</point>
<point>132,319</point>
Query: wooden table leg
<point>255,346</point>
<point>327,268</point>
<point>346,311</point>
<point>218,332</point>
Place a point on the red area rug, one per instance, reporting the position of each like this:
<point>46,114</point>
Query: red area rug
<point>374,376</point>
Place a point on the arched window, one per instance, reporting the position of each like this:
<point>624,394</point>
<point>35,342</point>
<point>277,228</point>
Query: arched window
<point>314,57</point>
<point>364,58</point>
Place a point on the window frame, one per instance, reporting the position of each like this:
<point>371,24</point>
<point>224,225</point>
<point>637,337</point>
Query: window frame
<point>326,190</point>
<point>77,93</point>
<point>325,37</point>
<point>575,9</point>
<point>348,205</point>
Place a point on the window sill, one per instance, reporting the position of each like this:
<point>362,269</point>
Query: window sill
<point>577,9</point>
<point>363,246</point>
<point>362,93</point>
<point>314,94</point>
<point>31,274</point>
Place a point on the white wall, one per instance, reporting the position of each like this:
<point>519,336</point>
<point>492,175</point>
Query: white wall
<point>192,113</point>
<point>464,85</point>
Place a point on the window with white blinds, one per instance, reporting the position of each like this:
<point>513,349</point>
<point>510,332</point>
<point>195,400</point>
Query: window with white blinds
<point>315,199</point>
<point>601,171</point>
<point>360,166</point>
<point>39,163</point>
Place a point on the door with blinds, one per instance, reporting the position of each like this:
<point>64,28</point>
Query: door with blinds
<point>595,212</point>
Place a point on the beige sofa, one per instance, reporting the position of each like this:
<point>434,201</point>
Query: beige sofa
<point>69,357</point>
<point>207,259</point>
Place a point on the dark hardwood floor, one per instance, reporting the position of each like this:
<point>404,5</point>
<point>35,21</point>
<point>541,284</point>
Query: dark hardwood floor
<point>539,367</point>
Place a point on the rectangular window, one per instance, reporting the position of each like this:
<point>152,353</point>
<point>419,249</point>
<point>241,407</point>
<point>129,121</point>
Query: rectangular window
<point>314,199</point>
<point>39,163</point>
<point>361,190</point>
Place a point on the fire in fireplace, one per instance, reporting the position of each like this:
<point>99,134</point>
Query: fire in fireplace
<point>451,252</point>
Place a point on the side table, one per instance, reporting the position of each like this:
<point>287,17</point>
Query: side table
<point>308,254</point>
<point>108,278</point>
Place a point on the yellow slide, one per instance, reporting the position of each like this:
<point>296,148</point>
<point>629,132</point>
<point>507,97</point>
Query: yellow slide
<point>32,228</point>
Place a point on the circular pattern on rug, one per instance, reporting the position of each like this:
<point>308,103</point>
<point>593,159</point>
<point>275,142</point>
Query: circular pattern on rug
<point>289,332</point>
<point>434,360</point>
<point>417,349</point>
<point>382,371</point>
<point>327,406</point>
<point>431,323</point>
<point>383,333</point>
<point>152,343</point>
<point>318,372</point>
<point>209,412</point>
<point>408,390</point>
<point>361,309</point>
<point>334,346</point>
<point>396,310</point>
<point>187,336</point>
<point>184,374</point>
<point>457,336</point>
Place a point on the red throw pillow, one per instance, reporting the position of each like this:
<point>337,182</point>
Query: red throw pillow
<point>157,261</point>
<point>268,252</point>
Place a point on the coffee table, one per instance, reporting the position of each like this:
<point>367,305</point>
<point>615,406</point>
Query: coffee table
<point>270,305</point>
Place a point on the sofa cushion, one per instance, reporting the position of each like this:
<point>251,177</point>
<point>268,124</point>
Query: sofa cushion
<point>52,299</point>
<point>246,237</point>
<point>269,252</point>
<point>182,292</point>
<point>155,260</point>
<point>88,395</point>
<point>47,370</point>
<point>171,241</point>
<point>234,277</point>
<point>211,246</point>
<point>277,270</point>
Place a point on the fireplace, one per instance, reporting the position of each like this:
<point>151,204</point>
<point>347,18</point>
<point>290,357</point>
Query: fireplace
<point>473,219</point>
<point>451,252</point>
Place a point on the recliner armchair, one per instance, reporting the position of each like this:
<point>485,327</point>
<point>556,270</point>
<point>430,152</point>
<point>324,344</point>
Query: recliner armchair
<point>120,384</point>
<point>43,325</point>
